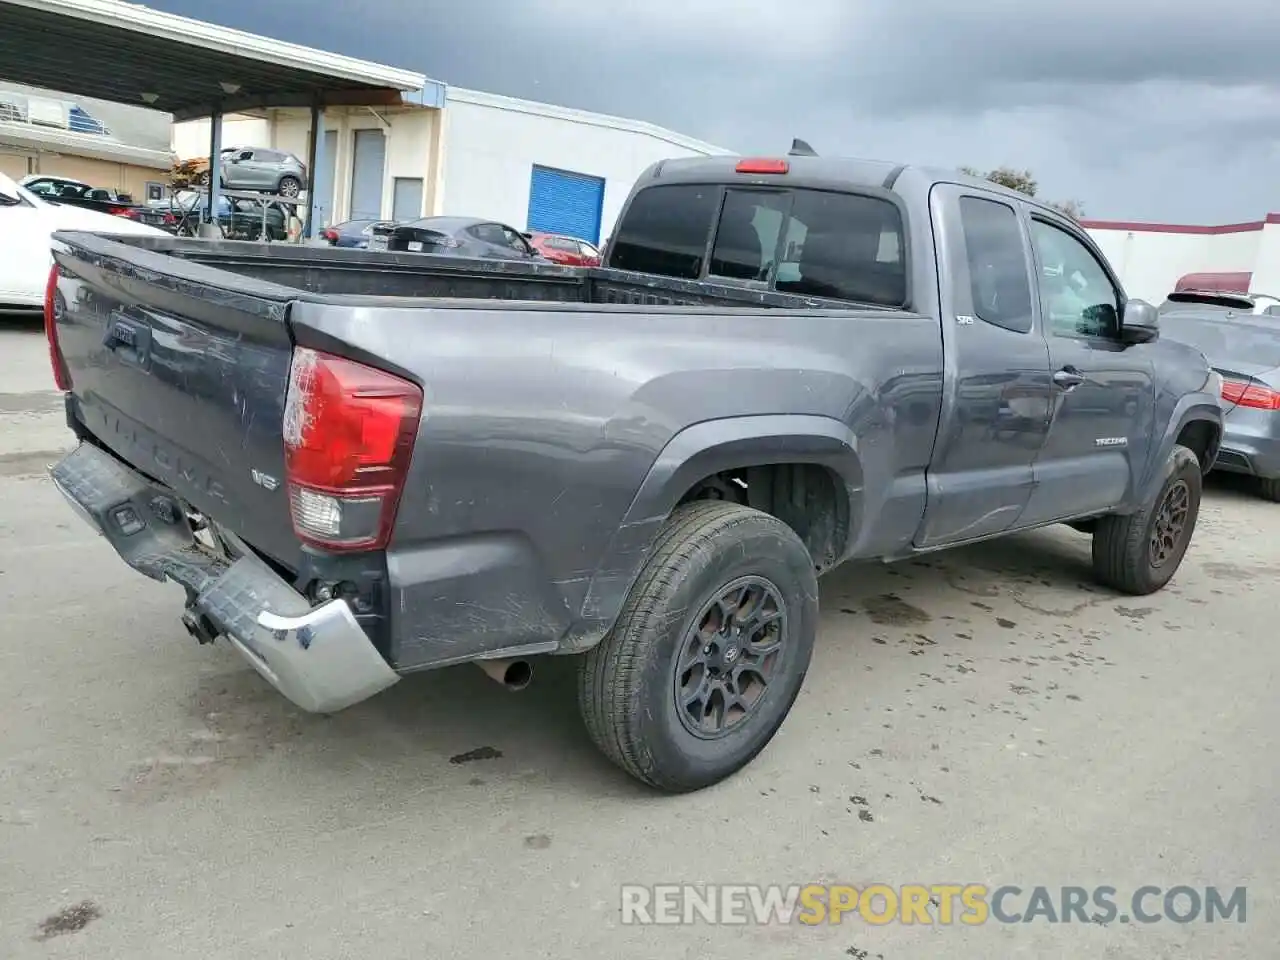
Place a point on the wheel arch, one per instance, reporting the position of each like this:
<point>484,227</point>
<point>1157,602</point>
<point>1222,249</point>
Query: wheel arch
<point>706,450</point>
<point>1197,418</point>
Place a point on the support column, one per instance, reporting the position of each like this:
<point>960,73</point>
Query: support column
<point>315,156</point>
<point>214,191</point>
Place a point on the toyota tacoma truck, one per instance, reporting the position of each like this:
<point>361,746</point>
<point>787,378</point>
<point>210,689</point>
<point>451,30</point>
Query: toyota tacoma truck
<point>358,465</point>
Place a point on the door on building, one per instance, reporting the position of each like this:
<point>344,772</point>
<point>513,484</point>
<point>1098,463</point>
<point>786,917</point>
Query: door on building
<point>406,203</point>
<point>325,178</point>
<point>368,160</point>
<point>564,202</point>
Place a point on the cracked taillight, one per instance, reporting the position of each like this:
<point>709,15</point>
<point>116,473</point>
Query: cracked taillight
<point>348,437</point>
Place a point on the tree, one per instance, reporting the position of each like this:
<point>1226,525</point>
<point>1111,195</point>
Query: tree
<point>1024,182</point>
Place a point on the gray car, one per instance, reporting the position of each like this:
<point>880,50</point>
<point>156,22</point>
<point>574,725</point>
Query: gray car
<point>264,169</point>
<point>455,236</point>
<point>1239,334</point>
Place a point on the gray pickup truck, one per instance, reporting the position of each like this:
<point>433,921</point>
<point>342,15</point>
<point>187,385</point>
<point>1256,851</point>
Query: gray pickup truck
<point>359,465</point>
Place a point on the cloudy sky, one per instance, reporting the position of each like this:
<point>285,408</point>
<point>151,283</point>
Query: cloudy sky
<point>1142,110</point>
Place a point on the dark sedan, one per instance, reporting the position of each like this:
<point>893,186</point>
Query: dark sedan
<point>239,219</point>
<point>1239,334</point>
<point>455,236</point>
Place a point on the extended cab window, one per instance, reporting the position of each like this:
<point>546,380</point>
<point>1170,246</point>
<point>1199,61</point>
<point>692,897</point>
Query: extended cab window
<point>845,247</point>
<point>999,285</point>
<point>665,230</point>
<point>1076,294</point>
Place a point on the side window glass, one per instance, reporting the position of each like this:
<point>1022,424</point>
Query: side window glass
<point>845,247</point>
<point>1076,295</point>
<point>999,285</point>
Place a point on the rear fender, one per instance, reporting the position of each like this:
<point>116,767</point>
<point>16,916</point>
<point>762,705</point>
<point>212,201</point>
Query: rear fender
<point>693,454</point>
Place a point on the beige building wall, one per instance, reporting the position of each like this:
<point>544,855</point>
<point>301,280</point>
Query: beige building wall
<point>18,162</point>
<point>14,163</point>
<point>110,175</point>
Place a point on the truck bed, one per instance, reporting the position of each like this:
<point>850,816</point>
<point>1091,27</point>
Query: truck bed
<point>316,272</point>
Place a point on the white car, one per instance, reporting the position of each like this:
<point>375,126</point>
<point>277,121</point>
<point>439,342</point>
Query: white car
<point>26,224</point>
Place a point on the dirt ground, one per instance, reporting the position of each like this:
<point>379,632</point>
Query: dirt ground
<point>986,715</point>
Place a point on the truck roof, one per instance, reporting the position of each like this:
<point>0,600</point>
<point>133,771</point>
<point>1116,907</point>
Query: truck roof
<point>826,172</point>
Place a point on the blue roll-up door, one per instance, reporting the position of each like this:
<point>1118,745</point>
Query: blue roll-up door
<point>561,201</point>
<point>369,159</point>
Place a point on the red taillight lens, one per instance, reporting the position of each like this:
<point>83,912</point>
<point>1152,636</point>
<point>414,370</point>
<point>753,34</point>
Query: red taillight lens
<point>348,436</point>
<point>170,219</point>
<point>53,302</point>
<point>1256,395</point>
<point>330,234</point>
<point>128,212</point>
<point>762,165</point>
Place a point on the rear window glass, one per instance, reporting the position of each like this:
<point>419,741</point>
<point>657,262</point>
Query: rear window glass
<point>810,242</point>
<point>665,231</point>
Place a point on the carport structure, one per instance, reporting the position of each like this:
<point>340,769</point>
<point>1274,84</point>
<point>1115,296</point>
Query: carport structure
<point>131,54</point>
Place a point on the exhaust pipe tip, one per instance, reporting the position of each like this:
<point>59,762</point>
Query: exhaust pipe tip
<point>512,674</point>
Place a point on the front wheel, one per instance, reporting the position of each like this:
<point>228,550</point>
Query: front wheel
<point>1139,553</point>
<point>709,651</point>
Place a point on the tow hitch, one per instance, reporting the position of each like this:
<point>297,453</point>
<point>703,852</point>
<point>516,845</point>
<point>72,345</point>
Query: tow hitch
<point>199,626</point>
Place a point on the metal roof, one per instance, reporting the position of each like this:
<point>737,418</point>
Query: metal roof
<point>128,53</point>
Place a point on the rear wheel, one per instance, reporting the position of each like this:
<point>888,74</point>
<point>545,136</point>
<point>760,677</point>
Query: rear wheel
<point>290,187</point>
<point>1139,553</point>
<point>709,652</point>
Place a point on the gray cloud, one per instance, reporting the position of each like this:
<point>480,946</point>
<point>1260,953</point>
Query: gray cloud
<point>1142,110</point>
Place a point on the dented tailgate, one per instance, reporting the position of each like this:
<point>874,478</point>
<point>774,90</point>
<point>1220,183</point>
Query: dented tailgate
<point>182,378</point>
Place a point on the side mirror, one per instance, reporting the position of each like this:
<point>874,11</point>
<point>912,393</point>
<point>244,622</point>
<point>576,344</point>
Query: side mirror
<point>8,196</point>
<point>1140,322</point>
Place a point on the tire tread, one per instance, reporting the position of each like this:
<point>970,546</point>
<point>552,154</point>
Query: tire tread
<point>611,674</point>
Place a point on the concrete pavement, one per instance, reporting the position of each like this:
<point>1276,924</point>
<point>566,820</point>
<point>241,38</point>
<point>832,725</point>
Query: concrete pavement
<point>981,716</point>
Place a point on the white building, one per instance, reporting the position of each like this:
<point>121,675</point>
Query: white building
<point>1152,257</point>
<point>466,153</point>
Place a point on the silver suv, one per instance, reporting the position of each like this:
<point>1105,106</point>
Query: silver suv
<point>260,168</point>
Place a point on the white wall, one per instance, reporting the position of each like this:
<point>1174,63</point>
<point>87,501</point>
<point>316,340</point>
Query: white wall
<point>191,138</point>
<point>1151,257</point>
<point>493,142</point>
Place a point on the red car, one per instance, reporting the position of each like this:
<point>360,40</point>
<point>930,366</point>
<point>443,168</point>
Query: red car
<point>569,251</point>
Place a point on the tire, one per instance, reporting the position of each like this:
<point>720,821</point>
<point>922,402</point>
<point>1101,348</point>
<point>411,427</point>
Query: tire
<point>1124,556</point>
<point>1269,487</point>
<point>289,187</point>
<point>627,685</point>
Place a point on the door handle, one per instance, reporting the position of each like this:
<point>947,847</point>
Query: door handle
<point>1068,378</point>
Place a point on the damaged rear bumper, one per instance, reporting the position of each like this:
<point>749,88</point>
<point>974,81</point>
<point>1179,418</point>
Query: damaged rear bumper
<point>318,657</point>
